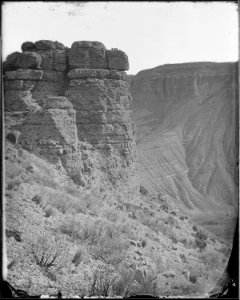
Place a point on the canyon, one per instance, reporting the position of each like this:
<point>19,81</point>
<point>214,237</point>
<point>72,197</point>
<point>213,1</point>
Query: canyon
<point>124,181</point>
<point>186,120</point>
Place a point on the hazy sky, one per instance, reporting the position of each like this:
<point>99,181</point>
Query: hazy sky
<point>151,33</point>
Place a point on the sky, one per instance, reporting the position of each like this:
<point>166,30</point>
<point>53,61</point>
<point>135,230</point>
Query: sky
<point>151,33</point>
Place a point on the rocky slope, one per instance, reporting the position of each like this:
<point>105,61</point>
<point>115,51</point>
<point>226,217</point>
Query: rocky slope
<point>75,220</point>
<point>86,242</point>
<point>73,107</point>
<point>186,122</point>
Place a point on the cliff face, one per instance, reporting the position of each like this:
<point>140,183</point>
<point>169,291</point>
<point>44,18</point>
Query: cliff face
<point>73,107</point>
<point>186,134</point>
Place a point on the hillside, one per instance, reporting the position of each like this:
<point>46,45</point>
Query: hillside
<point>62,237</point>
<point>77,219</point>
<point>186,120</point>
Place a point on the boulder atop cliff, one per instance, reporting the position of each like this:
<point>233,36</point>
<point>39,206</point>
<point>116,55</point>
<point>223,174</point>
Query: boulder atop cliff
<point>49,55</point>
<point>94,55</point>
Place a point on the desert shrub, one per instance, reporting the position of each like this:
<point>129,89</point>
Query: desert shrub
<point>145,283</point>
<point>134,282</point>
<point>47,251</point>
<point>14,183</point>
<point>143,190</point>
<point>211,260</point>
<point>151,222</point>
<point>200,239</point>
<point>71,227</point>
<point>183,258</point>
<point>200,244</point>
<point>110,213</point>
<point>104,239</point>
<point>164,207</point>
<point>173,237</point>
<point>63,202</point>
<point>183,241</point>
<point>171,220</point>
<point>158,261</point>
<point>126,229</point>
<point>164,229</point>
<point>110,248</point>
<point>78,257</point>
<point>71,189</point>
<point>194,228</point>
<point>224,250</point>
<point>37,199</point>
<point>200,235</point>
<point>192,278</point>
<point>13,170</point>
<point>49,211</point>
<point>123,285</point>
<point>102,280</point>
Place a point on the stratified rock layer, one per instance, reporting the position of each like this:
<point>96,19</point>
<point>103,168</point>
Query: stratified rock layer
<point>70,97</point>
<point>186,135</point>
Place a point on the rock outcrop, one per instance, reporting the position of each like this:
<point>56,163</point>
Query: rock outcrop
<point>186,123</point>
<point>73,107</point>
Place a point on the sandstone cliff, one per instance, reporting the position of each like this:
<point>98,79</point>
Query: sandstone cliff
<point>73,107</point>
<point>186,135</point>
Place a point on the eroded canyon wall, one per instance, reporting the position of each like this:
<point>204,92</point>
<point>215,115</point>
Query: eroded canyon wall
<point>73,107</point>
<point>186,118</point>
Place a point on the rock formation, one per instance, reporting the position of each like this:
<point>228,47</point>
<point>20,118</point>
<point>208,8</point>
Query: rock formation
<point>73,107</point>
<point>186,123</point>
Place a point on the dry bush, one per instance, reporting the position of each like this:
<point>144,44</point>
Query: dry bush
<point>78,257</point>
<point>104,239</point>
<point>143,191</point>
<point>102,281</point>
<point>192,278</point>
<point>172,235</point>
<point>194,228</point>
<point>211,260</point>
<point>50,211</point>
<point>47,251</point>
<point>110,214</point>
<point>14,183</point>
<point>126,229</point>
<point>62,202</point>
<point>183,241</point>
<point>37,199</point>
<point>108,244</point>
<point>157,259</point>
<point>170,220</point>
<point>124,283</point>
<point>12,170</point>
<point>150,222</point>
<point>71,227</point>
<point>183,258</point>
<point>145,283</point>
<point>201,244</point>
